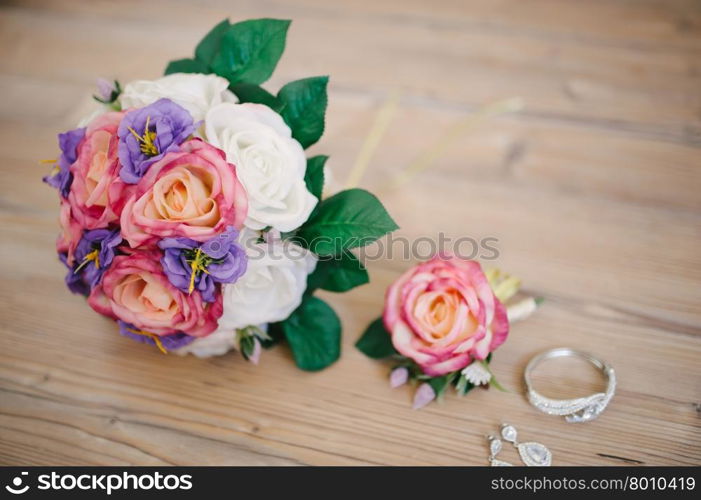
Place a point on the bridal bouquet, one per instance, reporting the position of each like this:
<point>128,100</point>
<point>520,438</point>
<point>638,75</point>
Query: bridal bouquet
<point>191,215</point>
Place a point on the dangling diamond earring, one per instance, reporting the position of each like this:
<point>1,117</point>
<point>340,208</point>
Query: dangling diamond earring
<point>533,454</point>
<point>494,449</point>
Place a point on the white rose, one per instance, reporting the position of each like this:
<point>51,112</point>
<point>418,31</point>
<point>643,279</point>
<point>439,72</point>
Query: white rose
<point>95,111</point>
<point>272,287</point>
<point>269,163</point>
<point>216,343</point>
<point>193,91</point>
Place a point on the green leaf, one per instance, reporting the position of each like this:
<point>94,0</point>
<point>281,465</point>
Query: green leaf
<point>346,272</point>
<point>248,92</point>
<point>338,273</point>
<point>462,386</point>
<point>248,345</point>
<point>186,66</point>
<point>317,278</point>
<point>314,176</point>
<point>438,384</point>
<point>275,334</point>
<point>314,333</point>
<point>209,46</point>
<point>250,50</point>
<point>349,219</point>
<point>376,342</point>
<point>302,104</point>
<point>493,381</point>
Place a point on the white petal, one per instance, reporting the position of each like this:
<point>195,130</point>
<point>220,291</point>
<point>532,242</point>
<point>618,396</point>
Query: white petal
<point>476,373</point>
<point>193,91</point>
<point>272,287</point>
<point>269,162</point>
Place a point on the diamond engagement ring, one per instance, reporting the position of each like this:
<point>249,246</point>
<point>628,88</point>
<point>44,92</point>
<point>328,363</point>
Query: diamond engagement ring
<point>578,409</point>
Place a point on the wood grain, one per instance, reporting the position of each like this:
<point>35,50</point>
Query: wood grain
<point>592,191</point>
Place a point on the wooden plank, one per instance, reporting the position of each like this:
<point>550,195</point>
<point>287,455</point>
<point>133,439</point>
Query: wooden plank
<point>649,24</point>
<point>535,154</point>
<point>611,86</point>
<point>123,389</point>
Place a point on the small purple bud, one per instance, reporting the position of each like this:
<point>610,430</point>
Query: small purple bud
<point>105,89</point>
<point>424,395</point>
<point>272,236</point>
<point>398,377</point>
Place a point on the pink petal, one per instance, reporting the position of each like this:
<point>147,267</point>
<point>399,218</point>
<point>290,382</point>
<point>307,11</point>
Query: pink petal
<point>409,345</point>
<point>455,363</point>
<point>105,89</point>
<point>398,377</point>
<point>255,355</point>
<point>424,395</point>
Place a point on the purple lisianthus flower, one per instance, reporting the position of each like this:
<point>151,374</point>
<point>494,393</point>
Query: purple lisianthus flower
<point>191,265</point>
<point>163,342</point>
<point>93,255</point>
<point>62,178</point>
<point>147,134</point>
<point>74,281</point>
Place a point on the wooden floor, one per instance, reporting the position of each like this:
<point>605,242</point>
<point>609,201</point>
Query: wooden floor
<point>593,191</point>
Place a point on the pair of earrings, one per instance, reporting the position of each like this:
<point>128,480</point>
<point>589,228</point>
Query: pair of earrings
<point>533,454</point>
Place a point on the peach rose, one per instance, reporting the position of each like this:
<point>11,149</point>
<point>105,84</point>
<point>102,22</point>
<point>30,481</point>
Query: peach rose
<point>135,290</point>
<point>443,314</point>
<point>71,231</point>
<point>192,193</point>
<point>98,194</point>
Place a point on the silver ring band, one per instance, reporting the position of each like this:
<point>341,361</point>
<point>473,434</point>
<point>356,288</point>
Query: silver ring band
<point>578,409</point>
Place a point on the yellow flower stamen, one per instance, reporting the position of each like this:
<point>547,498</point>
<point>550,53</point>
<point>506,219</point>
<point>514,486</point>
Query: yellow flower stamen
<point>93,256</point>
<point>54,170</point>
<point>193,272</point>
<point>152,336</point>
<point>146,141</point>
<point>197,264</point>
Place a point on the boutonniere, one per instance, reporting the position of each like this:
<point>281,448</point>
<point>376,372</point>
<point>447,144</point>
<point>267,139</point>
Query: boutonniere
<point>442,321</point>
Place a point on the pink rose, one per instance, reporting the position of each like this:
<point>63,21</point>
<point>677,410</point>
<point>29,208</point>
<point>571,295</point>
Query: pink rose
<point>192,193</point>
<point>71,231</point>
<point>134,289</point>
<point>443,314</point>
<point>98,194</point>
